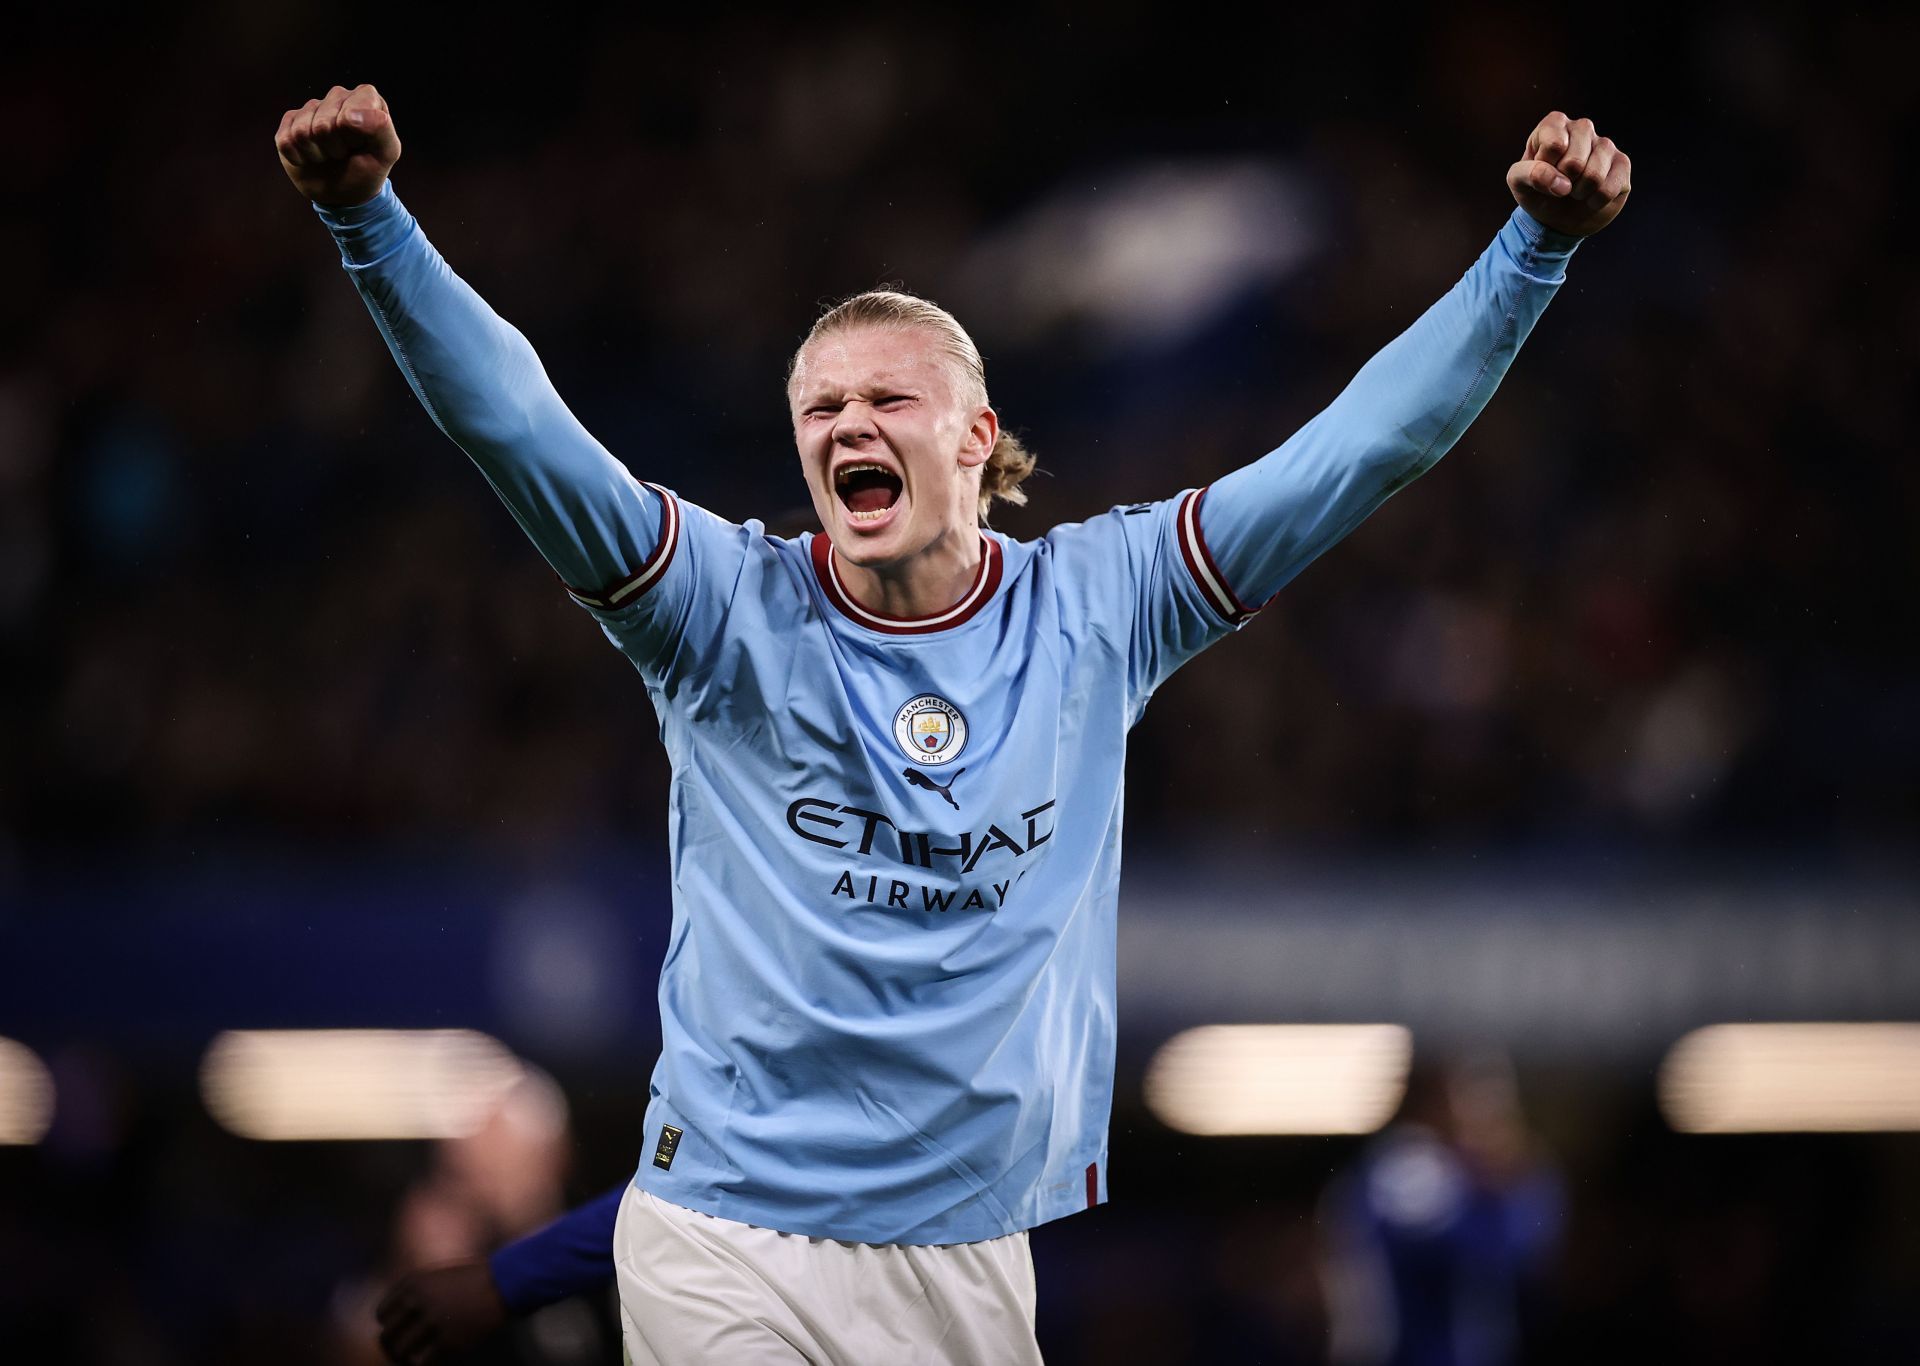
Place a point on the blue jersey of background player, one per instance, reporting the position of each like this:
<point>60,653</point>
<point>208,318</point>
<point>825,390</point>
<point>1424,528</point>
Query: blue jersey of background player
<point>887,1002</point>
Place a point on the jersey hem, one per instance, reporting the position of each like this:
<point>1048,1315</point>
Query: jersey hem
<point>746,1211</point>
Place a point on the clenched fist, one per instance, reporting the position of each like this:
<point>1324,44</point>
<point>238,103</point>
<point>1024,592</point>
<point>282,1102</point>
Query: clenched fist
<point>1570,178</point>
<point>337,151</point>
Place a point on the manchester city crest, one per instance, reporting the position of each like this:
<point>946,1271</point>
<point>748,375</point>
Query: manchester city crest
<point>930,730</point>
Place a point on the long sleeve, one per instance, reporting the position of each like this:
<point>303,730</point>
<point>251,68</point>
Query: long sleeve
<point>1263,524</point>
<point>482,384</point>
<point>571,1256</point>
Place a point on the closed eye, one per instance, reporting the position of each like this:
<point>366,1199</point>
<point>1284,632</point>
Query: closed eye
<point>828,409</point>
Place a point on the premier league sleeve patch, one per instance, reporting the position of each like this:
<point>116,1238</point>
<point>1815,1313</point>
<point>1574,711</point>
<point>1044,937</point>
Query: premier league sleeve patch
<point>930,730</point>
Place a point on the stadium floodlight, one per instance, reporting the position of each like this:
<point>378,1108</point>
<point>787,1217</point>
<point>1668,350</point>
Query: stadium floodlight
<point>26,1095</point>
<point>298,1084</point>
<point>1793,1078</point>
<point>1280,1078</point>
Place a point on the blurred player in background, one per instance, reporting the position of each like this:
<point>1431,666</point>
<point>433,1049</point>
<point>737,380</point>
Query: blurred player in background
<point>887,1004</point>
<point>439,1313</point>
<point>1439,1239</point>
<point>495,1183</point>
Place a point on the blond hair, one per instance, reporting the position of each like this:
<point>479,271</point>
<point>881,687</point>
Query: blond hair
<point>1010,461</point>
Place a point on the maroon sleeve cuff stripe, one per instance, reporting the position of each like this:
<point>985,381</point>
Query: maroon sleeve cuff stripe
<point>624,592</point>
<point>1193,549</point>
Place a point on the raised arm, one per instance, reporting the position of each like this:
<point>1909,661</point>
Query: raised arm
<point>1262,524</point>
<point>475,374</point>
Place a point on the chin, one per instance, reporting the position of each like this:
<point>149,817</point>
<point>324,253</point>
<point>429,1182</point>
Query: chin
<point>866,549</point>
<point>874,544</point>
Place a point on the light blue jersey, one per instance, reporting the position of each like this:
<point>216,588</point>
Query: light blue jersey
<point>887,1007</point>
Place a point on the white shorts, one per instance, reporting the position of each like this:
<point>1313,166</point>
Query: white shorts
<point>696,1290</point>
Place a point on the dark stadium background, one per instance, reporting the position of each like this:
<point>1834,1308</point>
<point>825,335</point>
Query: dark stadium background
<point>299,732</point>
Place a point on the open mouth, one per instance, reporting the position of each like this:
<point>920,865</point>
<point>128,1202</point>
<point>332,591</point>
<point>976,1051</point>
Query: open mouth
<point>867,490</point>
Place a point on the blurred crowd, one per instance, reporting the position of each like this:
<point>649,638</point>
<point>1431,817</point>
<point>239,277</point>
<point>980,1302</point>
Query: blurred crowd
<point>249,594</point>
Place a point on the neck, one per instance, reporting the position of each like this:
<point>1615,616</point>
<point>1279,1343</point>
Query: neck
<point>921,586</point>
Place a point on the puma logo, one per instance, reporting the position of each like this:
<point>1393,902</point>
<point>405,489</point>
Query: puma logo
<point>919,779</point>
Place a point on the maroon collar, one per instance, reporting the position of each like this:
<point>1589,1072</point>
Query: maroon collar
<point>984,582</point>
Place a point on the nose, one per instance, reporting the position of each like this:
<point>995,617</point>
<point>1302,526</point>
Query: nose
<point>854,425</point>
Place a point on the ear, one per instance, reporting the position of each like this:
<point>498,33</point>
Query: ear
<point>981,435</point>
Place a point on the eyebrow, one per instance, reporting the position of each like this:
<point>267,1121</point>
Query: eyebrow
<point>886,384</point>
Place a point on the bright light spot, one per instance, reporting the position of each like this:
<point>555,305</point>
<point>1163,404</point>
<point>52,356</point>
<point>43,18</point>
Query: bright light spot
<point>355,1083</point>
<point>1148,256</point>
<point>1786,1078</point>
<point>26,1095</point>
<point>1280,1079</point>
